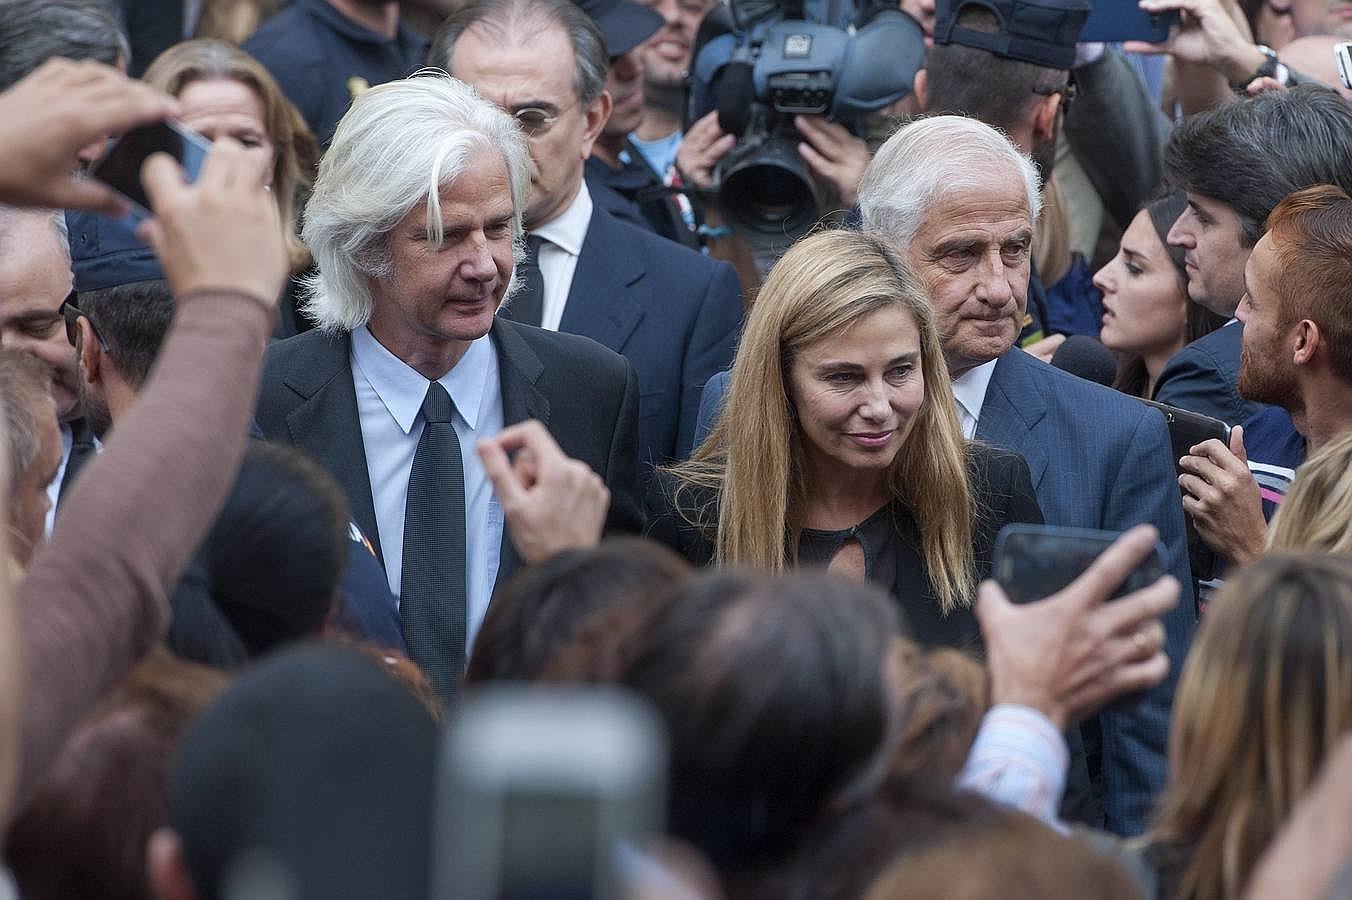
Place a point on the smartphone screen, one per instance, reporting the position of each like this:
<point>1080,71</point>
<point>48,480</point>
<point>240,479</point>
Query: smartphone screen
<point>1033,562</point>
<point>120,167</point>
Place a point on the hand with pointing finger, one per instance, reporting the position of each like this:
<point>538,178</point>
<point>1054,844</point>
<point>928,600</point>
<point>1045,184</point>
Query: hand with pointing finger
<point>550,502</point>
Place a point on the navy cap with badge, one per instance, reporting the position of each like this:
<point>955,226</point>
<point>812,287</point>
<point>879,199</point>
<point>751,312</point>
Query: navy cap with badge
<point>105,253</point>
<point>1041,32</point>
<point>624,23</point>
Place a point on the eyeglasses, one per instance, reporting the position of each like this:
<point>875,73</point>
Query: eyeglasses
<point>72,313</point>
<point>1067,92</point>
<point>535,121</point>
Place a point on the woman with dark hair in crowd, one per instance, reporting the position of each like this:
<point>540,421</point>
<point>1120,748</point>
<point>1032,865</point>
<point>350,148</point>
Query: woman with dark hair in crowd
<point>1263,699</point>
<point>545,607</point>
<point>269,571</point>
<point>1147,313</point>
<point>222,90</point>
<point>839,444</point>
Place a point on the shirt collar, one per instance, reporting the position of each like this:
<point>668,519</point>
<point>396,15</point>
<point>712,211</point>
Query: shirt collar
<point>969,388</point>
<point>402,389</point>
<point>568,230</point>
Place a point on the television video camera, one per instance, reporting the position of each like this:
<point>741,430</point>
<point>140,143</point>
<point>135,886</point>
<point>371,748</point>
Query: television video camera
<point>761,62</point>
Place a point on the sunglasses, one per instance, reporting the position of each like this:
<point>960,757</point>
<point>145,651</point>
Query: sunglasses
<point>71,313</point>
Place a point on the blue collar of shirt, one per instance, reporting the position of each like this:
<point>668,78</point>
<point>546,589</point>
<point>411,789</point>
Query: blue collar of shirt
<point>323,9</point>
<point>402,389</point>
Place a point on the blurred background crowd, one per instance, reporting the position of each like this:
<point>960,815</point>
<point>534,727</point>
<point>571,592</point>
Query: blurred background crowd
<point>551,450</point>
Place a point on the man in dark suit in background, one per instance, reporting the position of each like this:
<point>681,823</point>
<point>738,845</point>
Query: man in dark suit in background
<point>410,370</point>
<point>672,312</point>
<point>960,201</point>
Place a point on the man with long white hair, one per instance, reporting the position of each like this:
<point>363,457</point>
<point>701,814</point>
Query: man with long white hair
<point>415,223</point>
<point>960,201</point>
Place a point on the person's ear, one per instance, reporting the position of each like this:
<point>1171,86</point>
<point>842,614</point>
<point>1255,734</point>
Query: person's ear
<point>166,868</point>
<point>1306,342</point>
<point>91,352</point>
<point>1044,118</point>
<point>597,114</point>
<point>921,89</point>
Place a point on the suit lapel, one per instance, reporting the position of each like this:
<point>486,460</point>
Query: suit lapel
<point>325,424</point>
<point>519,369</point>
<point>1011,411</point>
<point>601,302</point>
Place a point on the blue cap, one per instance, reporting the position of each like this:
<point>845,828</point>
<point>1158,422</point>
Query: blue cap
<point>106,253</point>
<point>1041,32</point>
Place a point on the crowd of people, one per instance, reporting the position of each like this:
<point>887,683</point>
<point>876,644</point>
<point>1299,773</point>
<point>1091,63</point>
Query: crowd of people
<point>439,494</point>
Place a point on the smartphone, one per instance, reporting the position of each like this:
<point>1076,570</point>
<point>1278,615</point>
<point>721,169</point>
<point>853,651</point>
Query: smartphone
<point>120,167</point>
<point>1343,54</point>
<point>1033,562</point>
<point>546,794</point>
<point>1187,430</point>
<point>1111,21</point>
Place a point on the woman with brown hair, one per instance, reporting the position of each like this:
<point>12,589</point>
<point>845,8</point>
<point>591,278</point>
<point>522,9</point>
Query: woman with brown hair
<point>222,90</point>
<point>1147,313</point>
<point>1316,515</point>
<point>839,444</point>
<point>1263,699</point>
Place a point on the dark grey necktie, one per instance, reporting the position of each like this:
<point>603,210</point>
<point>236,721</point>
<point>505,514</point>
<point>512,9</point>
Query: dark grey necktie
<point>432,600</point>
<point>82,450</point>
<point>527,306</point>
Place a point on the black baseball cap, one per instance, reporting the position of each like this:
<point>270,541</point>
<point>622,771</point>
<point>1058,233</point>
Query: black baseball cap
<point>1041,32</point>
<point>624,23</point>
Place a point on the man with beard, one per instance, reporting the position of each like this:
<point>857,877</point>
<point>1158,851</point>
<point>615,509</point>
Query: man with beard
<point>1236,162</point>
<point>324,53</point>
<point>1296,354</point>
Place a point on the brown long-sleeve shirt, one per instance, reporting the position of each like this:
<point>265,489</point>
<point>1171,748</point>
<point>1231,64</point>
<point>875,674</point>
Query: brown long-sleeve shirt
<point>95,599</point>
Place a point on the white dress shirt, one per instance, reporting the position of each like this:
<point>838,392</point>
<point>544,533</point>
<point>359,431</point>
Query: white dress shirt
<point>389,404</point>
<point>969,389</point>
<point>558,255</point>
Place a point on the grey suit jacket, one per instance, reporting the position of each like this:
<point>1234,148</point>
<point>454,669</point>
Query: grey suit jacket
<point>308,399</point>
<point>1100,459</point>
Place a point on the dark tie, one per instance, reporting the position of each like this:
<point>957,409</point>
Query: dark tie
<point>527,306</point>
<point>432,586</point>
<point>82,450</point>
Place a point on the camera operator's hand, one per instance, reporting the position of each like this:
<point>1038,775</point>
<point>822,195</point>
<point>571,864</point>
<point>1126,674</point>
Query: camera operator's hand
<point>222,232</point>
<point>701,149</point>
<point>58,110</point>
<point>834,154</point>
<point>1208,35</point>
<point>550,502</point>
<point>1220,494</point>
<point>1068,655</point>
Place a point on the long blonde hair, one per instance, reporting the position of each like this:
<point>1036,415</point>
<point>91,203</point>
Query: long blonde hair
<point>296,151</point>
<point>753,459</point>
<point>1264,696</point>
<point>1316,515</point>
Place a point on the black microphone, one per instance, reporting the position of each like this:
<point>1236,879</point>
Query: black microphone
<point>1084,356</point>
<point>736,94</point>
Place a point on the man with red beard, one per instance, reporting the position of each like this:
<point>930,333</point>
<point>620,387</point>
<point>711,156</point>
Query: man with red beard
<point>1296,354</point>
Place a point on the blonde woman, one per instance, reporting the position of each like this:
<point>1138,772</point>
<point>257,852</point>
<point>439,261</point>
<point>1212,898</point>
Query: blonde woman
<point>1316,515</point>
<point>222,90</point>
<point>839,445</point>
<point>1263,699</point>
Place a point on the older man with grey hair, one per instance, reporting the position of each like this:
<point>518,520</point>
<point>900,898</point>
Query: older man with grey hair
<point>415,223</point>
<point>960,201</point>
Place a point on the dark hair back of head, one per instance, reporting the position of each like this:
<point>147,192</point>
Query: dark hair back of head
<point>543,609</point>
<point>774,698</point>
<point>34,31</point>
<point>132,319</point>
<point>1252,153</point>
<point>84,834</point>
<point>276,554</point>
<point>965,81</point>
<point>322,762</point>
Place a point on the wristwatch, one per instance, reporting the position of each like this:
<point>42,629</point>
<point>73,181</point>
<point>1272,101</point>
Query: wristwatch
<point>1271,67</point>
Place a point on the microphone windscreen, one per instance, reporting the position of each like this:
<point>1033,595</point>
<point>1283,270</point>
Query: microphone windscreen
<point>1084,356</point>
<point>736,94</point>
